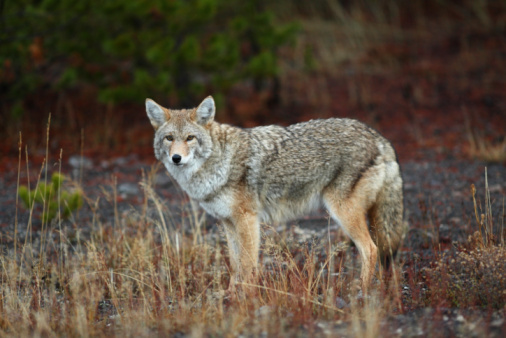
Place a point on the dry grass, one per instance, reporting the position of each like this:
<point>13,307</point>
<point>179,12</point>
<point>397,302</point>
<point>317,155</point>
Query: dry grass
<point>482,146</point>
<point>147,272</point>
<point>484,149</point>
<point>336,32</point>
<point>351,40</point>
<point>473,276</point>
<point>143,275</point>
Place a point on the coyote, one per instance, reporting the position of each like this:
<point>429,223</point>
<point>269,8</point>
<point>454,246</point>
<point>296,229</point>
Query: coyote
<point>273,174</point>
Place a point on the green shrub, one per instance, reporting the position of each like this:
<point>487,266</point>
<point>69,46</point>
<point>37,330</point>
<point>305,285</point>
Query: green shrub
<point>134,49</point>
<point>51,198</point>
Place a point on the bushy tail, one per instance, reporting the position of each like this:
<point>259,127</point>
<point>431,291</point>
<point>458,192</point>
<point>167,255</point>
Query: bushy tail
<point>386,220</point>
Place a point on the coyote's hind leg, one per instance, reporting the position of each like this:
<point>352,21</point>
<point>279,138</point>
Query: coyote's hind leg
<point>352,219</point>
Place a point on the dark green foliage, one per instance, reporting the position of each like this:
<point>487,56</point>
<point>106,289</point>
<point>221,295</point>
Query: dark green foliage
<point>51,198</point>
<point>134,49</point>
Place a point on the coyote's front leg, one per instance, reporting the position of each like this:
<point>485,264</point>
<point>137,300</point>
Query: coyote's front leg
<point>243,237</point>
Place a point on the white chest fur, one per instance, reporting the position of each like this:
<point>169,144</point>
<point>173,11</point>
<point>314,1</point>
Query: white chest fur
<point>220,206</point>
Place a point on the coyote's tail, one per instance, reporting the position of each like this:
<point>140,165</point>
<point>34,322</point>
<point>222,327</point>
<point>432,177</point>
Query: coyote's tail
<point>386,219</point>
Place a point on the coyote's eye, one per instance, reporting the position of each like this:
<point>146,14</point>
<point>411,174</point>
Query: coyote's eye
<point>169,138</point>
<point>190,137</point>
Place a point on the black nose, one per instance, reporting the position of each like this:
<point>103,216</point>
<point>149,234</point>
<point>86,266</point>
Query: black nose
<point>176,158</point>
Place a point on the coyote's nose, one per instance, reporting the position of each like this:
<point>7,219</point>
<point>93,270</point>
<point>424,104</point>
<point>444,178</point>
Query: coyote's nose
<point>176,158</point>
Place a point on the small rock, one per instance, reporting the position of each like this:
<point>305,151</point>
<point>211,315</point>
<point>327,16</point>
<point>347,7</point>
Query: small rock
<point>162,179</point>
<point>444,228</point>
<point>495,188</point>
<point>263,311</point>
<point>120,161</point>
<point>76,161</point>
<point>497,323</point>
<point>128,189</point>
<point>341,303</point>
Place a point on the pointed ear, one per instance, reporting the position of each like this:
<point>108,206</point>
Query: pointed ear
<point>206,111</point>
<point>156,113</point>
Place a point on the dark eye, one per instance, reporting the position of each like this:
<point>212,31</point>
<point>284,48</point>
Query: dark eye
<point>190,137</point>
<point>169,138</point>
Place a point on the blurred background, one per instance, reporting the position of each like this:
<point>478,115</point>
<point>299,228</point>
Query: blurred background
<point>429,74</point>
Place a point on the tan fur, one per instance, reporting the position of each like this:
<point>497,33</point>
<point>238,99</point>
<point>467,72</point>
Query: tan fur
<point>179,148</point>
<point>265,174</point>
<point>350,213</point>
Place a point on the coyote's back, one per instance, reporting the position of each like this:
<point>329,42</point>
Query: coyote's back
<point>263,174</point>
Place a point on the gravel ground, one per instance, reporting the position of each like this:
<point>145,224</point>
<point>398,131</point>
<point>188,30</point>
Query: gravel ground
<point>437,196</point>
<point>438,208</point>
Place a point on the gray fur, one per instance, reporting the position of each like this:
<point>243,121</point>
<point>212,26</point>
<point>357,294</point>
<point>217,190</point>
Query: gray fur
<point>280,173</point>
<point>155,113</point>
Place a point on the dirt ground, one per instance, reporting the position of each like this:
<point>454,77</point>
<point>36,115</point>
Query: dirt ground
<point>438,203</point>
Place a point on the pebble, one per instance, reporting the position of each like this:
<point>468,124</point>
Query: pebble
<point>162,179</point>
<point>76,161</point>
<point>263,311</point>
<point>341,303</point>
<point>126,189</point>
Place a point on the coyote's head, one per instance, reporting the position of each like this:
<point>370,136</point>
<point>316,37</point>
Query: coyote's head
<point>182,137</point>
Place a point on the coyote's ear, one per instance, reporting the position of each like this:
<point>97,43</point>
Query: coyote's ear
<point>205,111</point>
<point>156,113</point>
